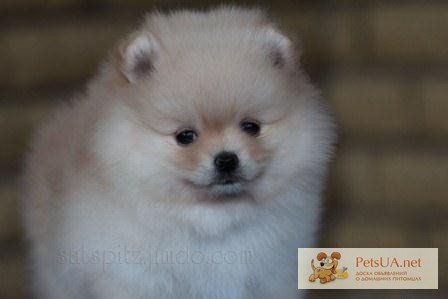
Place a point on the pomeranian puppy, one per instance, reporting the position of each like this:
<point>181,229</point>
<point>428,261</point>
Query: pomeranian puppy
<point>191,167</point>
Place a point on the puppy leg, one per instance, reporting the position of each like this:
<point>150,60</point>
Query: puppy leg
<point>325,279</point>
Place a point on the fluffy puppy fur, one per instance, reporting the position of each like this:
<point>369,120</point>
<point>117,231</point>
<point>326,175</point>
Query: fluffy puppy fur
<point>116,207</point>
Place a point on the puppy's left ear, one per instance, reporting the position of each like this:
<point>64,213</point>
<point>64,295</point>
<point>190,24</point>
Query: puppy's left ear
<point>137,55</point>
<point>281,51</point>
<point>336,255</point>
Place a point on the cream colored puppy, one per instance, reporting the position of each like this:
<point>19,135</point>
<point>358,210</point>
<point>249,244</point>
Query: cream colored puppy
<point>191,167</point>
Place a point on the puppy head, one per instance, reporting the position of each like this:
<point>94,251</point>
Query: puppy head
<point>329,262</point>
<point>216,112</point>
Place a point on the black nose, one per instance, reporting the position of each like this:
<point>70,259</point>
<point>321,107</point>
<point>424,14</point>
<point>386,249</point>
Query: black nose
<point>226,162</point>
<point>322,264</point>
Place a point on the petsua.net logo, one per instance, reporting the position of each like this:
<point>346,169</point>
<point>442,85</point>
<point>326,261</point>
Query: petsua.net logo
<point>367,268</point>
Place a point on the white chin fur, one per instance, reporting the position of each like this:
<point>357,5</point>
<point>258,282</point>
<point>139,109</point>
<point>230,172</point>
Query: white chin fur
<point>227,190</point>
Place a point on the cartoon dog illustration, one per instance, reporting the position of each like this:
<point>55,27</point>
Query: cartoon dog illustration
<point>327,270</point>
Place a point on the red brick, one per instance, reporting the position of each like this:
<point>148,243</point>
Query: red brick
<point>16,124</point>
<point>435,99</point>
<point>410,32</point>
<point>56,53</point>
<point>372,103</point>
<point>9,213</point>
<point>398,177</point>
<point>12,278</point>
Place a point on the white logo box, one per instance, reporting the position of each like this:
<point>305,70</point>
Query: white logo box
<point>368,268</point>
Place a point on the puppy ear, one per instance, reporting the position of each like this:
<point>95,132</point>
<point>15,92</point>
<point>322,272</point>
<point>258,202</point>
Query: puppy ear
<point>280,48</point>
<point>321,256</point>
<point>336,255</point>
<point>137,56</point>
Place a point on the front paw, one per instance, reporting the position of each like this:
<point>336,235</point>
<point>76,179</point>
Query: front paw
<point>312,278</point>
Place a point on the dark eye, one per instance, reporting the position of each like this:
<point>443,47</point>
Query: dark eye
<point>186,137</point>
<point>250,127</point>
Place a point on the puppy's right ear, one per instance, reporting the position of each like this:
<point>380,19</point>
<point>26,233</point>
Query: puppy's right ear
<point>136,56</point>
<point>321,256</point>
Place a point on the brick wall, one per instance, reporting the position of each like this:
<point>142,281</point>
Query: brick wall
<point>383,65</point>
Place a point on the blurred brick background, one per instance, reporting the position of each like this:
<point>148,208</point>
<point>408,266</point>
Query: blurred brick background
<point>383,65</point>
